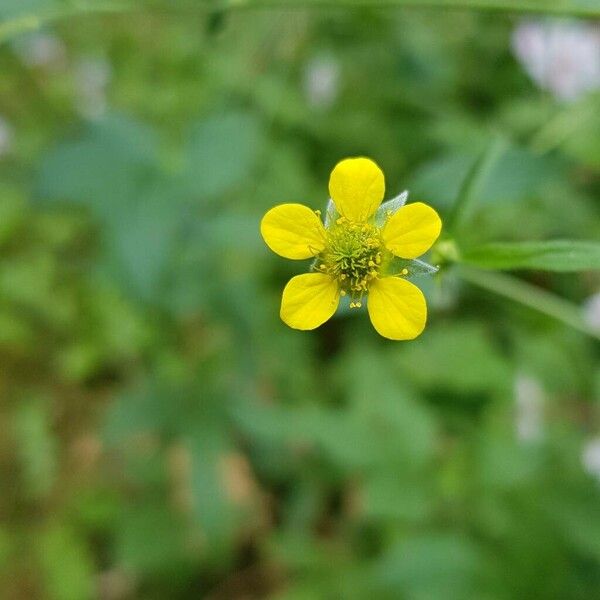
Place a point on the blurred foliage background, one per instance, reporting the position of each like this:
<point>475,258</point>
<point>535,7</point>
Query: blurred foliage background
<point>164,435</point>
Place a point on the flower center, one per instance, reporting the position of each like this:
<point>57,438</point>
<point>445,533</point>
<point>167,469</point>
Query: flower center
<point>353,256</point>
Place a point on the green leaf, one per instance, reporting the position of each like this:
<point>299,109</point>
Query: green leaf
<point>151,538</point>
<point>554,255</point>
<point>432,565</point>
<point>36,447</point>
<point>576,7</point>
<point>473,184</point>
<point>65,562</point>
<point>106,167</point>
<point>221,151</point>
<point>113,169</point>
<point>444,369</point>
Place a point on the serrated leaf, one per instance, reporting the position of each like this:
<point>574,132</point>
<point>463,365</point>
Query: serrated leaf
<point>66,563</point>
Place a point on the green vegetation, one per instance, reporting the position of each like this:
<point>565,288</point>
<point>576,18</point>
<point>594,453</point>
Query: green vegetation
<point>164,434</point>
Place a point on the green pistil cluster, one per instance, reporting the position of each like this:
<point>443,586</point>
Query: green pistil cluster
<point>353,256</point>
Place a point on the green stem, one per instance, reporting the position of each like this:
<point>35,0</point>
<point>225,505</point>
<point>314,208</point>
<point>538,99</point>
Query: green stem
<point>528,295</point>
<point>27,21</point>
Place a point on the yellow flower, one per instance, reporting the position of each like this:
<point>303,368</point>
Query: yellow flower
<point>354,252</point>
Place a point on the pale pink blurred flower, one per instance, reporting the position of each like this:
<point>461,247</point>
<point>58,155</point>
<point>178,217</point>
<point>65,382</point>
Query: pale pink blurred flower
<point>6,137</point>
<point>41,49</point>
<point>92,77</point>
<point>591,312</point>
<point>321,81</point>
<point>562,56</point>
<point>529,404</point>
<point>590,457</point>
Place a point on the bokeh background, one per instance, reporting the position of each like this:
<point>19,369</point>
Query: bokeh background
<point>164,435</point>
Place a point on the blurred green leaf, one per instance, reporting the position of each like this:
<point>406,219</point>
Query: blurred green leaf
<point>113,169</point>
<point>553,255</point>
<point>37,447</point>
<point>473,184</point>
<point>105,167</point>
<point>518,173</point>
<point>430,566</point>
<point>221,152</point>
<point>67,566</point>
<point>440,359</point>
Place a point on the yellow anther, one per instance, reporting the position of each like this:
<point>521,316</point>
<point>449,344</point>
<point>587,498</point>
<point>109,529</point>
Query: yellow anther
<point>352,305</point>
<point>342,292</point>
<point>371,263</point>
<point>343,276</point>
<point>358,304</point>
<point>404,271</point>
<point>378,258</point>
<point>318,213</point>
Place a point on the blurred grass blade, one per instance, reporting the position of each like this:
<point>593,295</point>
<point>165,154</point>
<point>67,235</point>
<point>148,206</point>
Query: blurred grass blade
<point>588,8</point>
<point>473,184</point>
<point>554,255</point>
<point>528,295</point>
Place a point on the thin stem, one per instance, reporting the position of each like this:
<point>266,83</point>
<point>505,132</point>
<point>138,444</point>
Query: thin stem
<point>528,295</point>
<point>28,21</point>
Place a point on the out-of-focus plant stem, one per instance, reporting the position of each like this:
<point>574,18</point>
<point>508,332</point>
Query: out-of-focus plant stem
<point>29,21</point>
<point>528,295</point>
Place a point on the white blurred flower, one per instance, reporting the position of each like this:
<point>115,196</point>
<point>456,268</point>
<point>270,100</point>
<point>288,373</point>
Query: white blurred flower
<point>321,81</point>
<point>591,312</point>
<point>562,56</point>
<point>529,403</point>
<point>6,137</point>
<point>41,49</point>
<point>590,457</point>
<point>92,76</point>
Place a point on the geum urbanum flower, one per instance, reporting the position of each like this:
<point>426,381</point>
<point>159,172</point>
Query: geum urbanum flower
<point>356,252</point>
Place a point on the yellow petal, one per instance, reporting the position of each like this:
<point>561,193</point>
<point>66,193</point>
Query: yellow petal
<point>293,231</point>
<point>412,230</point>
<point>397,308</point>
<point>309,300</point>
<point>356,187</point>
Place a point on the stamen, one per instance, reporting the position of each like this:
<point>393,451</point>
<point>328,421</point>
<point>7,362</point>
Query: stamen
<point>352,256</point>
